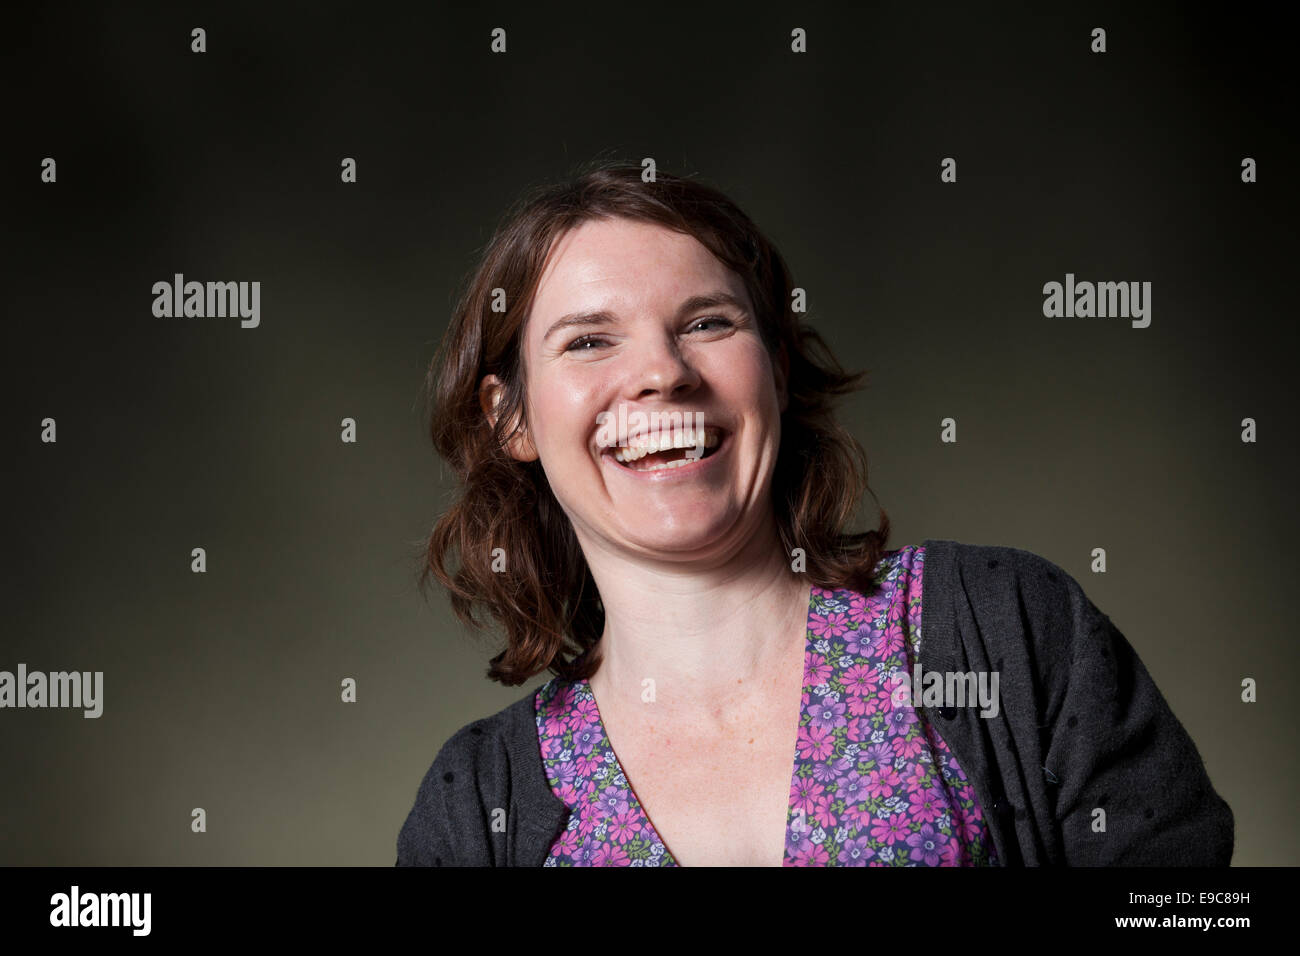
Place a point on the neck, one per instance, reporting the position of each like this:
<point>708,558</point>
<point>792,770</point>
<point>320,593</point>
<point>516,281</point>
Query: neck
<point>703,633</point>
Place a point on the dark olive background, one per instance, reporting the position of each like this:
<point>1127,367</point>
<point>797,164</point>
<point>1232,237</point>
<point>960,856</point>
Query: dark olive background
<point>222,689</point>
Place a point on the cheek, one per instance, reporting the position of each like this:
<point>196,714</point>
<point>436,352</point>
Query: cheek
<point>746,379</point>
<point>564,412</point>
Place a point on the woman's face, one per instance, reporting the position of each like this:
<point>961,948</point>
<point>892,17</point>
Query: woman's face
<point>613,324</point>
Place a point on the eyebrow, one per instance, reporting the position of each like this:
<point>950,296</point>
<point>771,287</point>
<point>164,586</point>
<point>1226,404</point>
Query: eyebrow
<point>603,317</point>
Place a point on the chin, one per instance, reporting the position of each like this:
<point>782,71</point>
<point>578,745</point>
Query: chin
<point>690,538</point>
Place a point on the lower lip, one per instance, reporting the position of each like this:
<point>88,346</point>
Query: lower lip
<point>680,473</point>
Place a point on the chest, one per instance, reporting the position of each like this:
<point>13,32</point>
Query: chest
<point>717,796</point>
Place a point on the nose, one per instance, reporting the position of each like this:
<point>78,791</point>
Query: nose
<point>658,369</point>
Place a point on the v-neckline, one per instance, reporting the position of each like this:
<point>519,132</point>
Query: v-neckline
<point>585,684</point>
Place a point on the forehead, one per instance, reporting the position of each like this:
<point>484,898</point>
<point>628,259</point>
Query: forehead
<point>623,264</point>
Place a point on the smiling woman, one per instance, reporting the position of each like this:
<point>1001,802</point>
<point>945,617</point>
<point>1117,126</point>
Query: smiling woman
<point>625,297</point>
<point>654,507</point>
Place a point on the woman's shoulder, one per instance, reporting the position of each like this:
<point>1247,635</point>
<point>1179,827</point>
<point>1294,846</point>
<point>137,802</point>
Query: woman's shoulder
<point>480,743</point>
<point>1012,599</point>
<point>992,556</point>
<point>470,777</point>
<point>998,573</point>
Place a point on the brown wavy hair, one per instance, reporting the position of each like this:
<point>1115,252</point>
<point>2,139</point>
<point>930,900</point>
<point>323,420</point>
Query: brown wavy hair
<point>545,597</point>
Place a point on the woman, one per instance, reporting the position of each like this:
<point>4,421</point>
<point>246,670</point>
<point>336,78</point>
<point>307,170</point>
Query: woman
<point>653,507</point>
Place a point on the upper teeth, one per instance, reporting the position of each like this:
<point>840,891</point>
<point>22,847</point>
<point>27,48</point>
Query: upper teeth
<point>644,445</point>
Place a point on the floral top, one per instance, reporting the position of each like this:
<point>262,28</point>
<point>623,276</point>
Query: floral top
<point>873,784</point>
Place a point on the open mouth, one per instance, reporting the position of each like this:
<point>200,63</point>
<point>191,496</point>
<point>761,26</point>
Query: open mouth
<point>670,451</point>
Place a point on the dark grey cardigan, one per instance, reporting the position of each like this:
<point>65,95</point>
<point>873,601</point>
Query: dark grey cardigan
<point>1081,728</point>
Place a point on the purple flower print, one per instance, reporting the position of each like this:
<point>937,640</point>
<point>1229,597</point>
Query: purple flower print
<point>853,788</point>
<point>889,641</point>
<point>816,670</point>
<point>856,852</point>
<point>858,605</point>
<point>610,854</point>
<point>588,820</point>
<point>804,794</point>
<point>857,707</point>
<point>882,781</point>
<point>953,854</point>
<point>888,831</point>
<point>916,776</point>
<point>553,726</point>
<point>927,805</point>
<point>828,715</point>
<point>584,712</point>
<point>882,753</point>
<point>900,720</point>
<point>860,680</point>
<point>828,771</point>
<point>858,643</point>
<point>926,845</point>
<point>810,854</point>
<point>879,701</point>
<point>798,834</point>
<point>625,826</point>
<point>897,611</point>
<point>909,747</point>
<point>831,624</point>
<point>585,738</point>
<point>968,827</point>
<point>814,742</point>
<point>566,792</point>
<point>821,812</point>
<point>564,699</point>
<point>613,801</point>
<point>856,816</point>
<point>566,844</point>
<point>552,747</point>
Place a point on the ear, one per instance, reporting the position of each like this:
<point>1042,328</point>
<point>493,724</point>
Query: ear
<point>519,445</point>
<point>782,373</point>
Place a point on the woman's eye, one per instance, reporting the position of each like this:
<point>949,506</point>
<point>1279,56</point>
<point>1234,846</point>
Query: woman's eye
<point>581,343</point>
<point>576,344</point>
<point>713,318</point>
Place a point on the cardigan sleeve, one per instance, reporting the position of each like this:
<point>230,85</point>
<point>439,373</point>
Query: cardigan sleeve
<point>1130,787</point>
